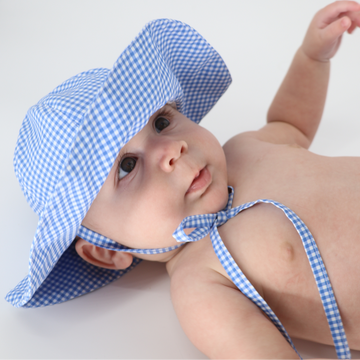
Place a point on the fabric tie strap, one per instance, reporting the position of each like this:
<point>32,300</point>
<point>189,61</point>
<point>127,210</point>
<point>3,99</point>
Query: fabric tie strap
<point>208,224</point>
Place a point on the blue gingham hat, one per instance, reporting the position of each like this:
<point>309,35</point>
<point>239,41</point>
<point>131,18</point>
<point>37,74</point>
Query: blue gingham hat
<point>69,141</point>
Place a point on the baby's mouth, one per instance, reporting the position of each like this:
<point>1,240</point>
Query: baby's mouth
<point>201,180</point>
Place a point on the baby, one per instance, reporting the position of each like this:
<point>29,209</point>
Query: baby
<point>170,171</point>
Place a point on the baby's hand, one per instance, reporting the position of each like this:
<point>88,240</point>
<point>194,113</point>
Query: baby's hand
<point>323,37</point>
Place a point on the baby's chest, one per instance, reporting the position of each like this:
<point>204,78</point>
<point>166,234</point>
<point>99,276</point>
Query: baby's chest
<point>270,253</point>
<point>323,192</point>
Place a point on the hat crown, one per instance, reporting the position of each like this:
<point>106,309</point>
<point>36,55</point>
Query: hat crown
<point>48,132</point>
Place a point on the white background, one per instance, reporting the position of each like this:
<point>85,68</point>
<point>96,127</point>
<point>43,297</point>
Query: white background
<point>42,43</point>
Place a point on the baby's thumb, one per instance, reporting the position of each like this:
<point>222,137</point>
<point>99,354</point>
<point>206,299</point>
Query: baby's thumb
<point>336,29</point>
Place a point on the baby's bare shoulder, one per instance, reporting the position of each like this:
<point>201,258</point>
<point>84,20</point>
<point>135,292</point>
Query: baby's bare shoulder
<point>212,312</point>
<point>273,133</point>
<point>245,151</point>
<point>196,263</point>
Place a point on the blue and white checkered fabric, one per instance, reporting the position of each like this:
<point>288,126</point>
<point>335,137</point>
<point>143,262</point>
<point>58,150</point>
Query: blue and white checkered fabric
<point>102,241</point>
<point>208,223</point>
<point>69,141</point>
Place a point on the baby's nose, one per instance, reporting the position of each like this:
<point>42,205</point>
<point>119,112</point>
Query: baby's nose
<point>170,152</point>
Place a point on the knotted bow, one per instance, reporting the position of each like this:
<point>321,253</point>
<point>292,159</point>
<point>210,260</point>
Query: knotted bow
<point>204,224</point>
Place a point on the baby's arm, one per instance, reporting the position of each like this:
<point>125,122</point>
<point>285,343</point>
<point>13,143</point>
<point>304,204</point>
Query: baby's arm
<point>220,321</point>
<point>301,97</point>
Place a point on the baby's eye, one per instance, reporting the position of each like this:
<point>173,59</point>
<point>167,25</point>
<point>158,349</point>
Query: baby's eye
<point>161,123</point>
<point>126,166</point>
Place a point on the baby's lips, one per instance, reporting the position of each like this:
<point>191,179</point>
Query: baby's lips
<point>201,180</point>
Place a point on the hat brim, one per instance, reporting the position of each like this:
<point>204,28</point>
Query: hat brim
<point>72,277</point>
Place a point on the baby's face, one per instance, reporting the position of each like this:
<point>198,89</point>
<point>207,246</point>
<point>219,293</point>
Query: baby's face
<point>171,169</point>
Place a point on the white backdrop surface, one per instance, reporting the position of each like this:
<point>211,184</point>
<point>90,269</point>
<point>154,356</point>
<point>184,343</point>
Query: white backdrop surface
<point>42,43</point>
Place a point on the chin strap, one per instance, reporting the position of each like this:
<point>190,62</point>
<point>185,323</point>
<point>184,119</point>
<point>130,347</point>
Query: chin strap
<point>102,241</point>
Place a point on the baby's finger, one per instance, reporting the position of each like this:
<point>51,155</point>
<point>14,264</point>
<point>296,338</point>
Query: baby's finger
<point>354,17</point>
<point>331,12</point>
<point>352,27</point>
<point>355,20</point>
<point>336,29</point>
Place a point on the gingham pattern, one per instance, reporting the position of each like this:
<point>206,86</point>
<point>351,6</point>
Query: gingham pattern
<point>69,141</point>
<point>205,224</point>
<point>106,243</point>
<point>73,277</point>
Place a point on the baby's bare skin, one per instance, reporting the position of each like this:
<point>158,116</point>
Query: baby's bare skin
<point>325,193</point>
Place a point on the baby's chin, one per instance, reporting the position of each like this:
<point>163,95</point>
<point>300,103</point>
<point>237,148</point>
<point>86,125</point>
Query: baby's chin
<point>216,201</point>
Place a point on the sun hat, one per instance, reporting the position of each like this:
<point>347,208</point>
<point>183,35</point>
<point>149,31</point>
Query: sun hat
<point>69,141</point>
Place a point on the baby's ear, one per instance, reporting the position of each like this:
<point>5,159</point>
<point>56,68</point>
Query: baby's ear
<point>108,259</point>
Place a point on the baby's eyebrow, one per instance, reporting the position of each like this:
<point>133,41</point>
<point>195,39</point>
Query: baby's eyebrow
<point>156,113</point>
<point>167,110</point>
